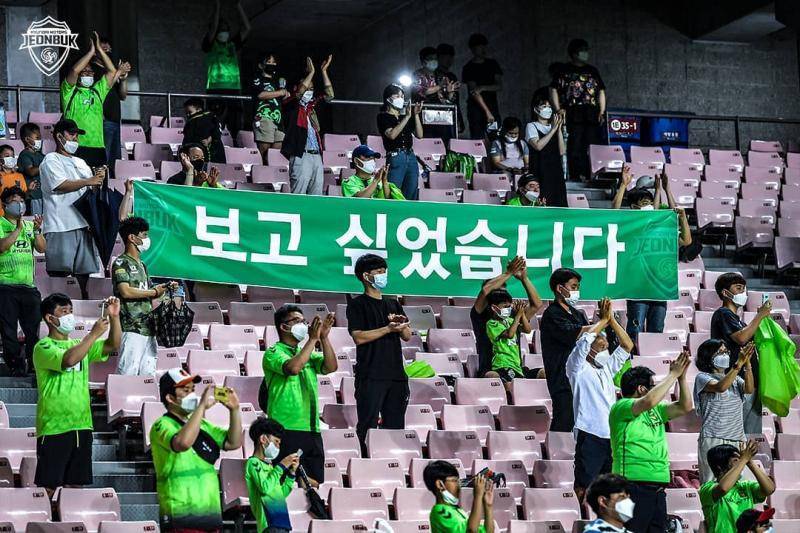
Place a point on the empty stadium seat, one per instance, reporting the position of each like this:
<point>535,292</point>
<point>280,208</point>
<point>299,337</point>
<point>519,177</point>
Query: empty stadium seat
<point>421,419</point>
<point>481,197</point>
<point>385,474</point>
<point>456,317</point>
<point>459,341</point>
<point>257,314</point>
<point>237,337</point>
<point>514,445</point>
<point>23,505</point>
<point>216,364</point>
<point>413,503</point>
<point>476,418</point>
<point>134,170</point>
<point>127,394</point>
<point>577,200</point>
<point>421,317</point>
<point>524,418</point>
<point>112,526</point>
<point>491,182</point>
<point>553,474</point>
<point>530,392</point>
<point>765,159</point>
<point>559,445</point>
<point>728,158</point>
<point>551,504</point>
<point>430,146</point>
<point>340,416</point>
<point>606,158</point>
<point>357,504</point>
<point>691,157</point>
<point>462,445</point>
<point>659,344</point>
<point>446,180</point>
<point>648,155</point>
<point>297,505</point>
<point>155,153</point>
<point>480,391</point>
<point>475,148</point>
<point>16,443</point>
<point>714,213</point>
<point>90,506</point>
<point>723,174</point>
<point>438,195</point>
<point>686,504</point>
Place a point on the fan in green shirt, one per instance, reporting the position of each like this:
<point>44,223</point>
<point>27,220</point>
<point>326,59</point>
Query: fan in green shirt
<point>269,482</point>
<point>725,498</point>
<point>18,239</point>
<point>528,192</point>
<point>369,181</point>
<point>62,365</point>
<point>503,332</point>
<point>442,479</point>
<point>82,97</point>
<point>222,50</point>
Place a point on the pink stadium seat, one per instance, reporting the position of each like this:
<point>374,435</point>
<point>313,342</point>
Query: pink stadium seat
<point>682,446</point>
<point>340,416</point>
<point>258,314</point>
<point>475,148</point>
<point>765,159</point>
<point>311,310</point>
<point>430,146</point>
<point>435,302</point>
<point>144,526</point>
<point>151,411</point>
<point>269,294</point>
<point>780,304</point>
<point>723,174</point>
<point>481,391</point>
<point>514,445</point>
<point>787,447</point>
<point>462,445</point>
<point>455,317</point>
<point>765,146</point>
<point>658,364</point>
<point>336,160</point>
<point>716,213</point>
<point>421,317</point>
<point>767,176</point>
<point>421,419</point>
<point>530,392</point>
<point>458,341</point>
<point>126,394</point>
<point>237,337</point>
<point>754,232</point>
<point>130,134</point>
<point>790,210</point>
<point>524,418</point>
<point>551,504</point>
<point>490,182</point>
<point>539,526</point>
<point>273,174</point>
<point>40,117</point>
<point>690,157</point>
<point>246,139</point>
<point>786,503</point>
<point>16,443</point>
<point>276,159</point>
<point>134,169</point>
<point>718,190</point>
<point>708,300</point>
<point>90,506</point>
<point>606,158</point>
<point>246,157</point>
<point>21,506</point>
<point>341,445</point>
<point>481,197</point>
<point>206,312</point>
<point>217,292</point>
<point>167,358</point>
<point>365,504</point>
<point>791,193</point>
<point>728,158</point>
<point>787,474</point>
<point>375,143</point>
<point>559,446</point>
<point>648,155</point>
<point>430,391</point>
<point>760,210</point>
<point>577,200</point>
<point>246,387</point>
<point>341,142</point>
<point>160,135</point>
<point>230,173</point>
<point>659,344</point>
<point>167,169</point>
<point>446,180</point>
<point>385,474</point>
<point>554,474</point>
<point>438,195</point>
<point>342,342</point>
<point>468,417</point>
<point>331,299</point>
<point>418,466</point>
<point>686,504</point>
<point>689,423</point>
<point>413,504</point>
<point>297,504</point>
<point>326,392</point>
<point>336,526</point>
<point>684,191</point>
<point>639,169</point>
<point>680,172</point>
<point>765,192</point>
<point>505,505</point>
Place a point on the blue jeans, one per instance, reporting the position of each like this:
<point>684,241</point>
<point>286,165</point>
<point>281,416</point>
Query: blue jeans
<point>404,172</point>
<point>647,316</point>
<point>111,138</point>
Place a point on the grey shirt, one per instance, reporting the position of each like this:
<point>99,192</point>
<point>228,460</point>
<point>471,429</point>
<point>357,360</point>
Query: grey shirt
<point>720,412</point>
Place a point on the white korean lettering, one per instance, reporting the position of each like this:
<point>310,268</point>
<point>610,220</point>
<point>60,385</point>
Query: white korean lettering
<point>486,268</point>
<point>218,240</point>
<point>613,248</point>
<point>295,232</point>
<point>417,264</point>
<point>356,232</point>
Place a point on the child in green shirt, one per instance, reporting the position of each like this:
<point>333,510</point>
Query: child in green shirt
<point>504,331</point>
<point>269,484</point>
<point>728,496</point>
<point>442,479</point>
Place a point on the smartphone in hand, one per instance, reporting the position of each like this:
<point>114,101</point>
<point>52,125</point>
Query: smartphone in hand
<point>221,394</point>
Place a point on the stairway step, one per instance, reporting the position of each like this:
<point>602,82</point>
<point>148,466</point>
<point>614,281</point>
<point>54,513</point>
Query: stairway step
<point>126,482</point>
<point>139,512</point>
<point>19,395</point>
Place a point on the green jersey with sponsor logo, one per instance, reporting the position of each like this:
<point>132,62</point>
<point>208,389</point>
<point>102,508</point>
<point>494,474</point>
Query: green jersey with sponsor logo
<point>447,518</point>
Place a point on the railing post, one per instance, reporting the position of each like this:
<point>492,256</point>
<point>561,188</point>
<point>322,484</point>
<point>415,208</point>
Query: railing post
<point>18,95</point>
<point>169,108</point>
<point>736,133</point>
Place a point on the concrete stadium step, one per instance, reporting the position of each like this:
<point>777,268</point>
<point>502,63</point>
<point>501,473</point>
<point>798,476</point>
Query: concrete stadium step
<point>23,413</point>
<point>124,476</point>
<point>139,506</point>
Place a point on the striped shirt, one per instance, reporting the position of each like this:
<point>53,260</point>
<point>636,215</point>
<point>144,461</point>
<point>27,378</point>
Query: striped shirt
<point>720,412</point>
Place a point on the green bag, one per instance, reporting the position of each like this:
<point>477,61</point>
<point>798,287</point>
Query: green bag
<point>461,163</point>
<point>778,371</point>
<point>420,369</point>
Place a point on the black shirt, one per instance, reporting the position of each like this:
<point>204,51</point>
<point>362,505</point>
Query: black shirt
<point>578,91</point>
<point>560,330</point>
<point>381,358</point>
<point>387,121</point>
<point>201,126</point>
<point>483,73</point>
<point>178,179</point>
<point>482,341</point>
<point>266,109</point>
<point>725,323</point>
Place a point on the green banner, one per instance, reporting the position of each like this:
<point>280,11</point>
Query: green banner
<point>433,249</point>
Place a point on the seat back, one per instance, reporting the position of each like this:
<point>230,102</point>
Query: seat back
<point>728,158</point>
<point>691,157</point>
<point>514,445</point>
<point>481,391</point>
<point>21,506</point>
<point>400,444</point>
<point>462,445</point>
<point>430,391</point>
<point>90,506</point>
<point>241,337</point>
<point>127,394</point>
<point>365,504</point>
<point>551,504</point>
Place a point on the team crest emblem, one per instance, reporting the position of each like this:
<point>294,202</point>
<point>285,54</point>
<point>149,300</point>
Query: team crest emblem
<point>49,41</point>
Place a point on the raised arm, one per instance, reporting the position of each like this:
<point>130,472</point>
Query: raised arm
<point>233,440</point>
<point>77,353</point>
<point>627,176</point>
<point>329,362</point>
<point>184,439</point>
<point>245,31</point>
<point>326,80</point>
<point>111,70</point>
<point>495,283</point>
<point>541,142</point>
<point>293,366</point>
<point>625,341</point>
<point>725,383</point>
<point>729,478</point>
<point>75,72</point>
<point>305,83</point>
<point>126,205</point>
<point>746,334</point>
<point>213,25</point>
<point>519,312</point>
<point>476,512</point>
<point>416,109</point>
<point>659,392</point>
<point>554,100</point>
<point>684,403</point>
<point>111,344</point>
<point>534,301</point>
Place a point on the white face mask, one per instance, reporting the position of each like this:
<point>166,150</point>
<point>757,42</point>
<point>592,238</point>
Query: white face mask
<point>770,529</point>
<point>71,146</point>
<point>647,207</point>
<point>145,244</point>
<point>449,498</point>
<point>532,195</point>
<point>66,324</point>
<point>601,358</point>
<point>223,36</point>
<point>367,166</point>
<point>722,360</point>
<point>37,144</point>
<point>271,451</point>
<point>307,96</point>
<point>739,299</point>
<point>505,312</point>
<point>379,281</point>
<point>87,81</point>
<point>300,331</point>
<point>190,402</point>
<point>583,55</point>
<point>573,298</point>
<point>624,509</point>
<point>10,161</point>
<point>431,65</point>
<point>546,112</point>
<point>512,138</point>
<point>397,102</point>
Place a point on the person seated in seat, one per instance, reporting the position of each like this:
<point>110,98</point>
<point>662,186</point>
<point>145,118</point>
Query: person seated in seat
<point>728,495</point>
<point>609,499</point>
<point>528,192</point>
<point>441,478</point>
<point>268,481</point>
<point>509,152</point>
<point>203,127</point>
<point>510,320</point>
<point>368,181</point>
<point>194,170</point>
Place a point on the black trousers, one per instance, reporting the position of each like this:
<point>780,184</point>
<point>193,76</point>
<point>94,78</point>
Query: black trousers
<point>650,511</point>
<point>563,417</point>
<point>592,458</point>
<point>386,399</point>
<point>580,136</point>
<point>19,305</point>
<point>313,458</point>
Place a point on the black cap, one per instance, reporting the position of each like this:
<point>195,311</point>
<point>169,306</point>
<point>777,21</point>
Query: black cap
<point>67,125</point>
<point>526,179</point>
<point>172,378</point>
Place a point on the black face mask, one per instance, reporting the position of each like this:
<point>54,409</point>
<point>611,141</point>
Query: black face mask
<point>270,70</point>
<point>198,164</point>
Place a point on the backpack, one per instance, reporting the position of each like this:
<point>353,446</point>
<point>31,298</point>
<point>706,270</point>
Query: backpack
<point>461,163</point>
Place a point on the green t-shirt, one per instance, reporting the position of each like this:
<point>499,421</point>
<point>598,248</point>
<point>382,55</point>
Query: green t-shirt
<point>354,184</point>
<point>268,486</point>
<point>639,443</point>
<point>445,518</point>
<point>84,105</point>
<point>16,263</point>
<point>721,515</point>
<point>222,66</point>
<point>187,485</point>
<point>516,201</point>
<point>293,400</point>
<point>505,352</point>
<point>133,314</point>
<point>63,393</point>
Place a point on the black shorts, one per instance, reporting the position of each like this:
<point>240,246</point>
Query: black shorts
<point>64,459</point>
<point>313,458</point>
<point>592,458</point>
<point>507,375</point>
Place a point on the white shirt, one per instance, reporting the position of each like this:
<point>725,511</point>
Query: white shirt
<point>593,390</point>
<point>534,130</point>
<point>59,214</point>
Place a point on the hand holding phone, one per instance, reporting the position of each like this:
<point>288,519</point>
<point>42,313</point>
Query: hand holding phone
<point>221,394</point>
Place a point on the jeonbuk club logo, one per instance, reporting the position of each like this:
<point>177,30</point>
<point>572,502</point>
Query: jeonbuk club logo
<point>49,41</point>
